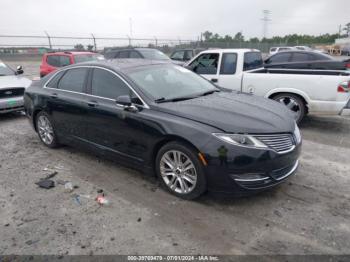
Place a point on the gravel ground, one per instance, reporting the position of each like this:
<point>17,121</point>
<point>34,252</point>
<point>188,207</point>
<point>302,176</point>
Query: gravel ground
<point>309,214</point>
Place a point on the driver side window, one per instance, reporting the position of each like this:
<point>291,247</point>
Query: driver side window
<point>107,85</point>
<point>206,64</point>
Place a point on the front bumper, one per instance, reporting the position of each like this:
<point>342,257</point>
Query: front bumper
<point>245,171</point>
<point>11,104</point>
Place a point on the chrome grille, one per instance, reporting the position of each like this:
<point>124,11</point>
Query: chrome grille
<point>11,92</point>
<point>278,142</point>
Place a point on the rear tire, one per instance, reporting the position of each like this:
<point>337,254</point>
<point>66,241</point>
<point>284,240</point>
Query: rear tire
<point>45,130</point>
<point>293,103</point>
<point>180,171</point>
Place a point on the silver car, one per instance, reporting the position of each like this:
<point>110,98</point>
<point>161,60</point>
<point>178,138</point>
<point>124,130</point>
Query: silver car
<point>12,86</point>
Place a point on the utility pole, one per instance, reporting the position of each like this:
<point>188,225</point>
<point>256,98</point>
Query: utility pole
<point>340,30</point>
<point>49,38</point>
<point>130,26</point>
<point>266,19</point>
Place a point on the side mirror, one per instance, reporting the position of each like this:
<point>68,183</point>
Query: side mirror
<point>126,102</point>
<point>19,70</point>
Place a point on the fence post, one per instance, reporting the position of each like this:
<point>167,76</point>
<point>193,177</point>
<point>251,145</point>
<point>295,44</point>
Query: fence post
<point>129,40</point>
<point>49,38</point>
<point>93,37</point>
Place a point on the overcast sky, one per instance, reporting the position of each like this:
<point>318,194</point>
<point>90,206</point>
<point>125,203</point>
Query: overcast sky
<point>183,19</point>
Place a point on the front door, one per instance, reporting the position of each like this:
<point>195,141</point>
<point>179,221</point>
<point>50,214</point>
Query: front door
<point>206,65</point>
<point>110,126</point>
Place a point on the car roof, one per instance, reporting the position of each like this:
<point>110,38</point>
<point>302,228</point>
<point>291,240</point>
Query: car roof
<point>230,50</point>
<point>131,48</point>
<point>122,65</point>
<point>71,53</point>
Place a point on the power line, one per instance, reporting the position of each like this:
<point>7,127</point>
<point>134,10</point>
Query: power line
<point>266,19</point>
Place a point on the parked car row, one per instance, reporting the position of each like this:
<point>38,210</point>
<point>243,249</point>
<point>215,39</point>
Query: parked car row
<point>203,126</point>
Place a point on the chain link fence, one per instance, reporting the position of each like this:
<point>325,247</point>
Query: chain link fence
<point>39,44</point>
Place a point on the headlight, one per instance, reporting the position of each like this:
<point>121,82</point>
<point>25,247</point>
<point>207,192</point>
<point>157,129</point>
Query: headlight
<point>240,140</point>
<point>297,134</point>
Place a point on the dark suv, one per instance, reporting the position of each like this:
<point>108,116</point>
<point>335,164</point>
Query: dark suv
<point>141,53</point>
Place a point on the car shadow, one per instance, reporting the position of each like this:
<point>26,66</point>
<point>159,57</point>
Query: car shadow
<point>12,116</point>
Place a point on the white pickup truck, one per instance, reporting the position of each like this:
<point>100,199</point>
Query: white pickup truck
<point>302,91</point>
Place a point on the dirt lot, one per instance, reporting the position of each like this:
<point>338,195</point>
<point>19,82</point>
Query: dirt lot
<point>309,214</point>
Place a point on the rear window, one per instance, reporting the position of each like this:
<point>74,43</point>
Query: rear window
<point>279,58</point>
<point>54,81</point>
<point>73,80</point>
<point>301,57</point>
<point>153,54</point>
<point>58,60</point>
<point>252,60</point>
<point>228,64</point>
<point>273,49</point>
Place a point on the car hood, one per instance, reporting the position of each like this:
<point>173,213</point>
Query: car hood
<point>14,81</point>
<point>234,112</point>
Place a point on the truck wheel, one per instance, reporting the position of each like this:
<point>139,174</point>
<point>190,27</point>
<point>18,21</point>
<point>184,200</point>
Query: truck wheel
<point>293,103</point>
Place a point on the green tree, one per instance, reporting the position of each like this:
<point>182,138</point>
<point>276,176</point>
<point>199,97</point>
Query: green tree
<point>347,29</point>
<point>79,47</point>
<point>90,47</point>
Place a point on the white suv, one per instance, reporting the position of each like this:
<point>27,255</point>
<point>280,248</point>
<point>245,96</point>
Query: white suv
<point>274,50</point>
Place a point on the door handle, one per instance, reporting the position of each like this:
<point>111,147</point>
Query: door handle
<point>214,80</point>
<point>92,103</point>
<point>54,95</point>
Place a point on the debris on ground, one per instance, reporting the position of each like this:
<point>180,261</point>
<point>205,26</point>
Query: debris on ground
<point>101,199</point>
<point>139,219</point>
<point>51,175</point>
<point>68,187</point>
<point>77,199</point>
<point>46,183</point>
<point>61,182</point>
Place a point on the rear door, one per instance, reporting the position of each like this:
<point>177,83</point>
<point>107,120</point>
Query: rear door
<point>68,103</point>
<point>228,76</point>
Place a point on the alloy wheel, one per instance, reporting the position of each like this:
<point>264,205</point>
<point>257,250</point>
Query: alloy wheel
<point>45,130</point>
<point>178,172</point>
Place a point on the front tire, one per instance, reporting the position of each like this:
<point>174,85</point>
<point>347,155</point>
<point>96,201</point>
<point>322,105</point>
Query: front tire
<point>180,171</point>
<point>45,130</point>
<point>293,103</point>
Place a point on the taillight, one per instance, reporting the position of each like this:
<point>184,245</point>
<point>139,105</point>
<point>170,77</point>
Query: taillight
<point>344,87</point>
<point>347,65</point>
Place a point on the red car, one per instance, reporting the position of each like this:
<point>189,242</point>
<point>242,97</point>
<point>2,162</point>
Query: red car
<point>53,61</point>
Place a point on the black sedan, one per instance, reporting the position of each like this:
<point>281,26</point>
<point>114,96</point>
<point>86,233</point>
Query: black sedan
<point>306,60</point>
<point>165,119</point>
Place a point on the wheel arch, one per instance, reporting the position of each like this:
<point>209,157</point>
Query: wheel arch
<point>165,140</point>
<point>277,91</point>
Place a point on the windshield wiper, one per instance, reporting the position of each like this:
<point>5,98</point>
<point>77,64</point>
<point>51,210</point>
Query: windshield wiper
<point>209,92</point>
<point>163,99</point>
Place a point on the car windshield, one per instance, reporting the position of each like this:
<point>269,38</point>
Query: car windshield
<point>5,70</point>
<point>87,57</point>
<point>153,54</point>
<point>168,82</point>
